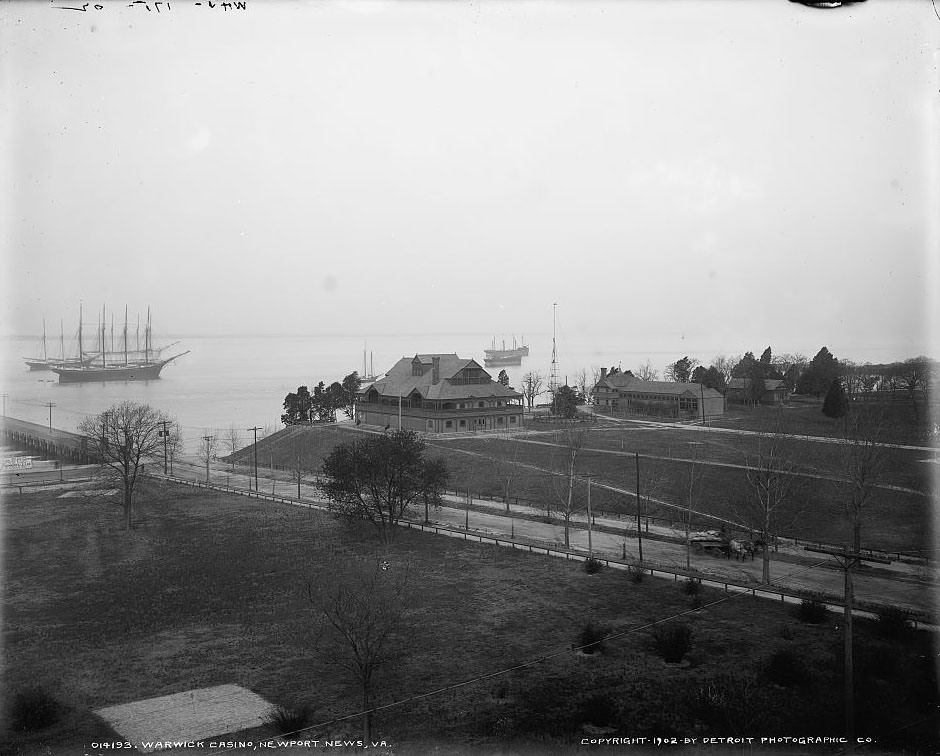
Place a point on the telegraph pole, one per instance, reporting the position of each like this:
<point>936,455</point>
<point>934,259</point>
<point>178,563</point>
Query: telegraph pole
<point>165,433</point>
<point>848,560</point>
<point>50,405</point>
<point>255,430</point>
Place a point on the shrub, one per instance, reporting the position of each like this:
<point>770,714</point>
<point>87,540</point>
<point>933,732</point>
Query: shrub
<point>592,565</point>
<point>636,572</point>
<point>811,610</point>
<point>285,720</point>
<point>785,668</point>
<point>691,587</point>
<point>673,642</point>
<point>598,710</point>
<point>893,622</point>
<point>591,638</point>
<point>33,709</point>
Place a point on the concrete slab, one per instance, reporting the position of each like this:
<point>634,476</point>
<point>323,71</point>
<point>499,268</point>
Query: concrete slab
<point>169,721</point>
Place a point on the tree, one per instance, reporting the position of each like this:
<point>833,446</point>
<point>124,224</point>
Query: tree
<point>377,478</point>
<point>233,440</point>
<point>301,466</point>
<point>174,443</point>
<point>434,480</point>
<point>297,406</point>
<point>565,402</point>
<point>503,378</point>
<point>532,387</point>
<point>914,374</point>
<point>563,481</point>
<point>208,444</point>
<point>680,370</point>
<point>646,372</point>
<point>724,365</point>
<point>819,374</point>
<point>698,375</point>
<point>863,461</point>
<point>367,619</point>
<point>582,385</point>
<point>770,476</point>
<point>835,404</point>
<point>350,387</point>
<point>123,436</point>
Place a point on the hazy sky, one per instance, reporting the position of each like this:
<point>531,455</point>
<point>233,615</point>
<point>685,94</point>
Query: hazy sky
<point>718,175</point>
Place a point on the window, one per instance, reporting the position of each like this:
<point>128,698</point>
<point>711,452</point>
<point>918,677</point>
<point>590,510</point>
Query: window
<point>463,423</point>
<point>430,425</point>
<point>499,420</point>
<point>481,404</point>
<point>448,423</point>
<point>512,419</point>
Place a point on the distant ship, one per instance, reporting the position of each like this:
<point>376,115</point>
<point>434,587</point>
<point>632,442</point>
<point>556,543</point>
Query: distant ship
<point>493,356</point>
<point>368,376</point>
<point>126,365</point>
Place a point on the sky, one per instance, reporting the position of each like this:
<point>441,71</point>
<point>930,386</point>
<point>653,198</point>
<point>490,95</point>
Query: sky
<point>716,175</point>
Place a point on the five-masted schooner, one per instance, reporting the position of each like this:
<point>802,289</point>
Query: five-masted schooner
<point>124,365</point>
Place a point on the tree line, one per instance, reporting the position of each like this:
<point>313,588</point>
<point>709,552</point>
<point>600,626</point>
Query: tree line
<point>322,404</point>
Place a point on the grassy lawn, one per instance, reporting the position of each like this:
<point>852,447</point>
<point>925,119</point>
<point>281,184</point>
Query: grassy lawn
<point>210,589</point>
<point>893,520</point>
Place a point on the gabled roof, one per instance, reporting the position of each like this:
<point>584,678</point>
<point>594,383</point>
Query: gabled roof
<point>630,383</point>
<point>400,380</point>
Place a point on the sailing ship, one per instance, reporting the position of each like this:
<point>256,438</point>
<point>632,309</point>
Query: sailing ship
<point>494,357</point>
<point>368,376</point>
<point>126,365</point>
<point>46,362</point>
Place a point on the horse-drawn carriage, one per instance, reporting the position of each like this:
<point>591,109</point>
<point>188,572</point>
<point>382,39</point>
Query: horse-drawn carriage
<point>719,543</point>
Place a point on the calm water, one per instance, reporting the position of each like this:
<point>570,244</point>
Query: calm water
<point>242,381</point>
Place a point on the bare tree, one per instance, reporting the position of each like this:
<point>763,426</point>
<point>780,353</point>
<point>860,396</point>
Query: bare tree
<point>208,449</point>
<point>366,617</point>
<point>300,468</point>
<point>646,372</point>
<point>123,437</point>
<point>863,463</point>
<point>581,384</point>
<point>694,480</point>
<point>563,481</point>
<point>724,365</point>
<point>233,440</point>
<point>770,472</point>
<point>532,387</point>
<point>505,465</point>
<point>174,443</point>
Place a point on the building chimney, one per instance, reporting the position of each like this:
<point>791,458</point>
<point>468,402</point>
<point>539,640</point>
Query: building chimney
<point>436,370</point>
<point>603,373</point>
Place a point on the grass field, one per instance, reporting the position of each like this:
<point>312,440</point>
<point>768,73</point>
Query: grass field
<point>210,589</point>
<point>898,517</point>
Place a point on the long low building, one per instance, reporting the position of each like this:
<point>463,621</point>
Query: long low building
<point>439,393</point>
<point>623,392</point>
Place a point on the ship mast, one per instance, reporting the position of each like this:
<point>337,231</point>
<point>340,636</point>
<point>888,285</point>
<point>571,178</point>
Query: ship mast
<point>104,346</point>
<point>44,356</point>
<point>147,338</point>
<point>62,338</point>
<point>553,379</point>
<point>125,335</point>
<point>81,356</point>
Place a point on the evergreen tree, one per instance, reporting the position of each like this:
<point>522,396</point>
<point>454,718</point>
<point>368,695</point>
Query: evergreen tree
<point>836,404</point>
<point>820,374</point>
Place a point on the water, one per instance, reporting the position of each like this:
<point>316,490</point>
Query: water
<point>242,381</point>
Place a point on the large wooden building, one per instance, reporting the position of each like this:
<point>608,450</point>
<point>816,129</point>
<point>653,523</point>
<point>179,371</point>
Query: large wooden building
<point>439,393</point>
<point>624,393</point>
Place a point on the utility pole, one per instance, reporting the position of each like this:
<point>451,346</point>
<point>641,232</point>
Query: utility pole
<point>50,405</point>
<point>166,434</point>
<point>701,387</point>
<point>848,560</point>
<point>255,430</point>
<point>207,439</point>
<point>639,533</point>
<point>553,376</point>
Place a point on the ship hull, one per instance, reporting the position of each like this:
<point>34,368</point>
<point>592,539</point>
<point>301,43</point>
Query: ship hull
<point>147,372</point>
